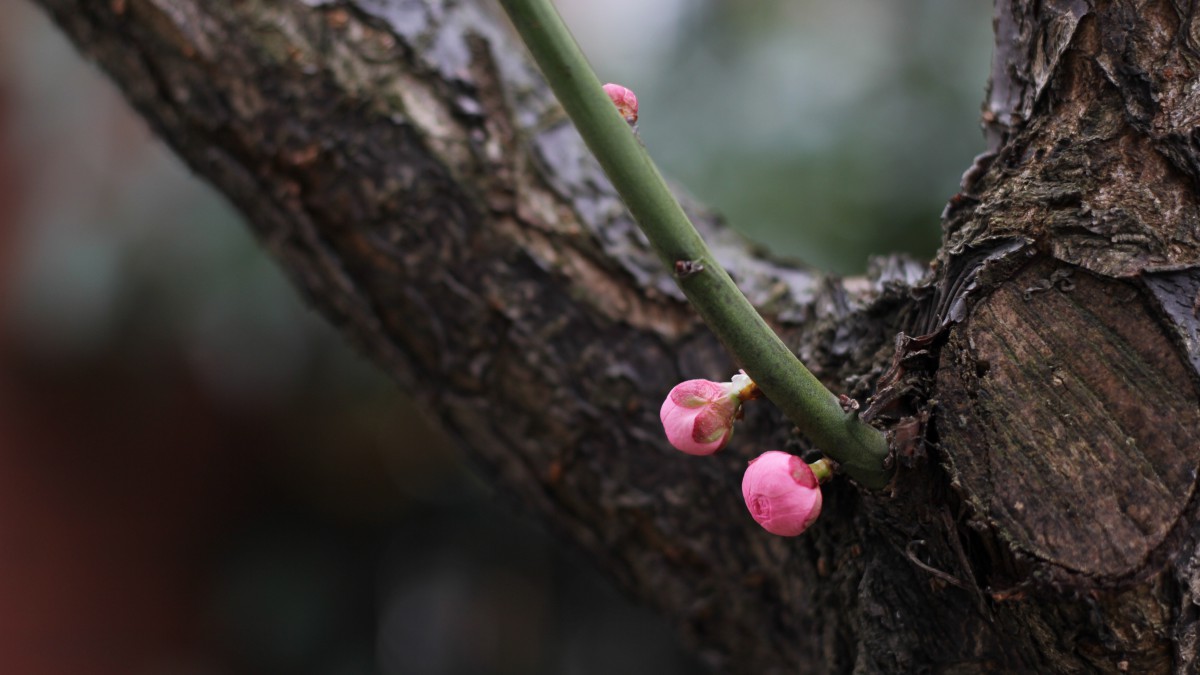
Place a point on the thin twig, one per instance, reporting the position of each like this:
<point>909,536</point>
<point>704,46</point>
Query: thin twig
<point>858,447</point>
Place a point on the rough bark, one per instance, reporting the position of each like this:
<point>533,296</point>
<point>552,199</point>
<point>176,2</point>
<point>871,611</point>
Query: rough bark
<point>405,164</point>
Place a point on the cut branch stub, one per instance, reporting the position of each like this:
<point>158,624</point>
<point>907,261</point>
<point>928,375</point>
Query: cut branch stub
<point>1095,480</point>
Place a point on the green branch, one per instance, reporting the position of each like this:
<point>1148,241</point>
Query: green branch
<point>858,447</point>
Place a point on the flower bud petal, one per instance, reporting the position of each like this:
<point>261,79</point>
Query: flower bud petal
<point>698,416</point>
<point>782,493</point>
<point>625,101</point>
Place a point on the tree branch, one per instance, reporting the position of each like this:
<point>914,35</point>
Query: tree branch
<point>414,176</point>
<point>400,160</point>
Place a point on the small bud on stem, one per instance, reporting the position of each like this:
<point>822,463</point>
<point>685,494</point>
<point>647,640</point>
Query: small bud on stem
<point>698,415</point>
<point>782,493</point>
<point>625,101</point>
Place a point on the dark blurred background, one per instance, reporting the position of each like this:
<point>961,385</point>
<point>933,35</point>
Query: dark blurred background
<point>197,476</point>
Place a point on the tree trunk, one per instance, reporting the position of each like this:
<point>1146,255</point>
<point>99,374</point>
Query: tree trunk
<point>406,165</point>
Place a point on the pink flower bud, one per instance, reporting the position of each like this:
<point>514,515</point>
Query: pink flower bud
<point>625,101</point>
<point>782,493</point>
<point>698,415</point>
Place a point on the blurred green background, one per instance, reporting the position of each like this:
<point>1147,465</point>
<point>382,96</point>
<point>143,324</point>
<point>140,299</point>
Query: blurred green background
<point>197,476</point>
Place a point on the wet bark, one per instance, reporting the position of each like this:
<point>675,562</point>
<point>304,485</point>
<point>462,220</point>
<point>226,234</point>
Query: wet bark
<point>409,170</point>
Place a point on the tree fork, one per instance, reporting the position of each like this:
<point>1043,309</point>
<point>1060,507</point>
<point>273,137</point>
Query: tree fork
<point>1045,390</point>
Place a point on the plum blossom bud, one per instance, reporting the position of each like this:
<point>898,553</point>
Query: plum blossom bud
<point>625,101</point>
<point>698,415</point>
<point>782,493</point>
